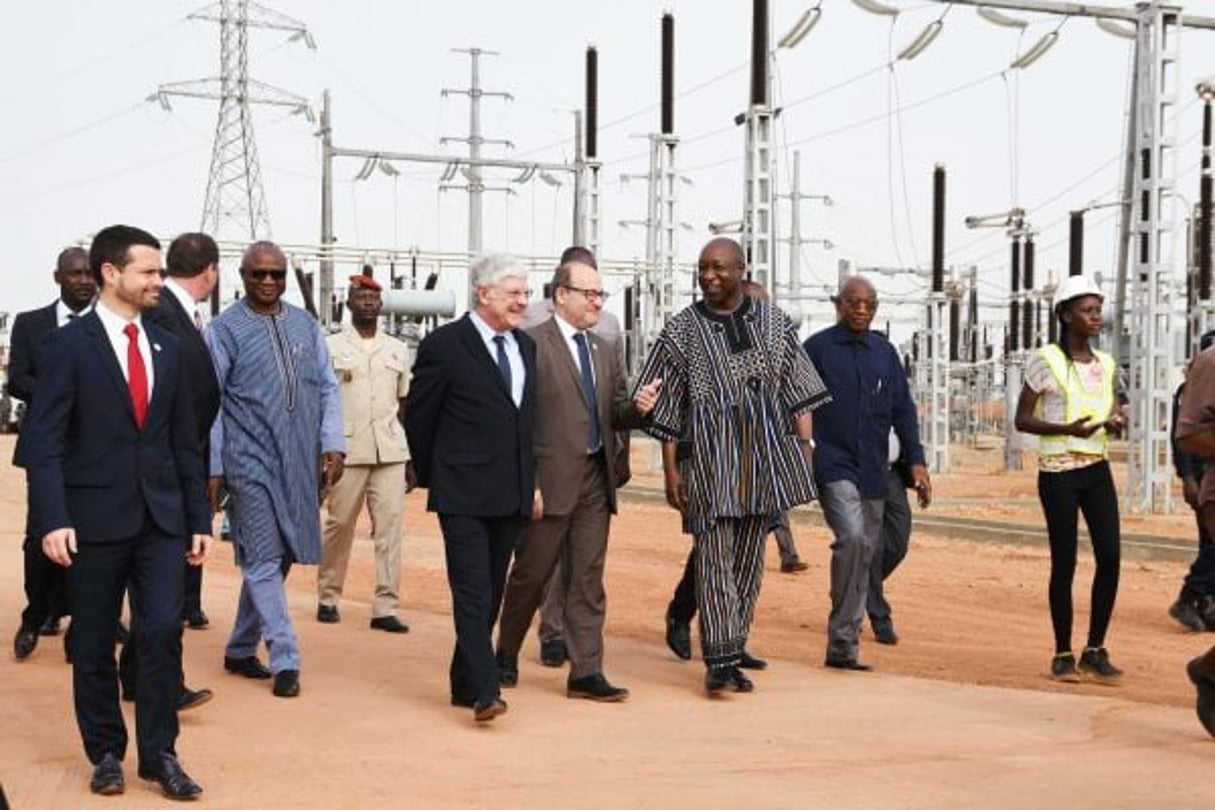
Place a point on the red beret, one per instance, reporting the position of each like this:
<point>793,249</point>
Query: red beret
<point>366,282</point>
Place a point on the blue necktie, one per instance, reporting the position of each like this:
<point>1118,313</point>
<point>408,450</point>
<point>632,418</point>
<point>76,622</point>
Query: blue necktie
<point>504,364</point>
<point>594,440</point>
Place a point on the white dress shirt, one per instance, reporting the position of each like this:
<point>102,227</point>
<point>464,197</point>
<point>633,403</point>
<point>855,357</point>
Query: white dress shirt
<point>64,315</point>
<point>513,355</point>
<point>113,323</point>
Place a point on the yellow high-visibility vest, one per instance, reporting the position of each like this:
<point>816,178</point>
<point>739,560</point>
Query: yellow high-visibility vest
<point>1079,402</point>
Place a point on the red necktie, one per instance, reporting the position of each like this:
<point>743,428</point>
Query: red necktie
<point>137,375</point>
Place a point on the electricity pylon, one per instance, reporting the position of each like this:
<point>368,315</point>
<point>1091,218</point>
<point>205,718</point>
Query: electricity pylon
<point>236,204</point>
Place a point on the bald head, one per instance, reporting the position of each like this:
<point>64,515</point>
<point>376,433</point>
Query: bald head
<point>726,247</point>
<point>71,257</point>
<point>856,304</point>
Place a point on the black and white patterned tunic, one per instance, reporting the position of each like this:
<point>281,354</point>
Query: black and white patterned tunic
<point>732,388</point>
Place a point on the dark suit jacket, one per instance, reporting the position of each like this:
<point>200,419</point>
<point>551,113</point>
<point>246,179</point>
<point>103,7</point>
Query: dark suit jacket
<point>196,358</point>
<point>29,330</point>
<point>89,466</point>
<point>562,419</point>
<point>471,447</point>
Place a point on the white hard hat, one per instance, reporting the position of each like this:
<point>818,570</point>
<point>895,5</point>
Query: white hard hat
<point>1075,287</point>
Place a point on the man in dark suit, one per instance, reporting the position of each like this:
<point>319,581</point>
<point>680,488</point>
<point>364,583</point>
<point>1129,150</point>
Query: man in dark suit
<point>192,271</point>
<point>468,419</point>
<point>44,601</point>
<point>581,397</point>
<point>116,481</point>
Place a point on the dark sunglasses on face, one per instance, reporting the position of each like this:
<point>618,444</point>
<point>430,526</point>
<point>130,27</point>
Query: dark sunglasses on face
<point>262,275</point>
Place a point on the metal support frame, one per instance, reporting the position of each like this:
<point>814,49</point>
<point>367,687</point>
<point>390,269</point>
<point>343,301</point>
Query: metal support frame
<point>758,199</point>
<point>1153,251</point>
<point>936,423</point>
<point>662,248</point>
<point>592,206</point>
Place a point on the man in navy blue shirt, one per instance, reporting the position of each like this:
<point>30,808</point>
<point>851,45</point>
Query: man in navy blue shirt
<point>865,376</point>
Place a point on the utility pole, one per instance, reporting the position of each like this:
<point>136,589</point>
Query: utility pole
<point>475,185</point>
<point>758,191</point>
<point>662,220</point>
<point>235,203</point>
<point>939,327</point>
<point>588,213</point>
<point>791,297</point>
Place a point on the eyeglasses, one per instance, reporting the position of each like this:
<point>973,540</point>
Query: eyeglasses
<point>262,275</point>
<point>589,295</point>
<point>860,303</point>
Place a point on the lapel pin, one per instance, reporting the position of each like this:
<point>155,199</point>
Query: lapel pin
<point>155,347</point>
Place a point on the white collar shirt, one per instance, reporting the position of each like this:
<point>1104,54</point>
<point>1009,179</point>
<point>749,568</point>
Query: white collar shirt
<point>114,324</point>
<point>64,314</point>
<point>513,355</point>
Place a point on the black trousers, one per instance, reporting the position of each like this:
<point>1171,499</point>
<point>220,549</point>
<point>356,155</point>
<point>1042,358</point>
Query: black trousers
<point>44,586</point>
<point>478,552</point>
<point>1064,496</point>
<point>1200,581</point>
<point>193,594</point>
<point>151,564</point>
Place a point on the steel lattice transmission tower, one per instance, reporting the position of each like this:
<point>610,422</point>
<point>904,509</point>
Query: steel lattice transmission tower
<point>235,205</point>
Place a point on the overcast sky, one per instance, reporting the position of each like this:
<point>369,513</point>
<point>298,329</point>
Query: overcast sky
<point>82,148</point>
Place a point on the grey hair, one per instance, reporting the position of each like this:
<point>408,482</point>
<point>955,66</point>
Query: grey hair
<point>489,270</point>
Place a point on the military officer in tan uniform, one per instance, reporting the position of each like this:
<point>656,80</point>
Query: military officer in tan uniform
<point>372,370</point>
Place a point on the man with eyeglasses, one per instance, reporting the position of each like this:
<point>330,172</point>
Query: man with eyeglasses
<point>277,445</point>
<point>468,418</point>
<point>552,609</point>
<point>869,396</point>
<point>581,398</point>
<point>734,416</point>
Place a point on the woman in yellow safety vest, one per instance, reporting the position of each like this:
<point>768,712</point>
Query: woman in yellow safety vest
<point>1072,400</point>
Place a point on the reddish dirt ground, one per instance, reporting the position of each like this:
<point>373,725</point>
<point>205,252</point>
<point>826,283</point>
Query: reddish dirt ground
<point>373,722</point>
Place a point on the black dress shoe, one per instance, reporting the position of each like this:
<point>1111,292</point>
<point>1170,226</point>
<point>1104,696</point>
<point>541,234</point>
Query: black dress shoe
<point>24,643</point>
<point>1205,685</point>
<point>107,777</point>
<point>883,631</point>
<point>328,614</point>
<point>718,680</point>
<point>389,624</point>
<point>553,653</point>
<point>508,670</point>
<point>248,666</point>
<point>196,619</point>
<point>173,781</point>
<point>286,683</point>
<point>50,627</point>
<point>679,637</point>
<point>595,687</point>
<point>192,698</point>
<point>741,682</point>
<point>748,661</point>
<point>486,710</point>
<point>847,663</point>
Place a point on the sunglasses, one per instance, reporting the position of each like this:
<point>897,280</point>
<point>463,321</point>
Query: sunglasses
<point>262,275</point>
